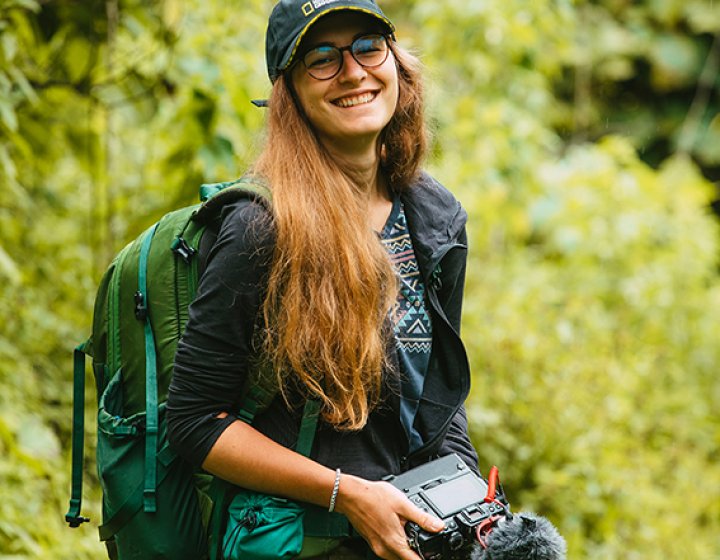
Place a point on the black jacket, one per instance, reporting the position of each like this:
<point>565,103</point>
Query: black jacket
<point>214,352</point>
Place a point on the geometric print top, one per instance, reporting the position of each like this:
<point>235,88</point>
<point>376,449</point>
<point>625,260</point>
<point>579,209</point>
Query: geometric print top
<point>411,321</point>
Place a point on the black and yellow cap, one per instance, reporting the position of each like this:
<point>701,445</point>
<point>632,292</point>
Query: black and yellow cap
<point>291,19</point>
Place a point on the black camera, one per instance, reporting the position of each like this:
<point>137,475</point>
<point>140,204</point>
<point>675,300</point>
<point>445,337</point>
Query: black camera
<point>467,503</point>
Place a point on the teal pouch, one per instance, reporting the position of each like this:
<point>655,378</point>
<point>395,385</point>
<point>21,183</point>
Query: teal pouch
<point>262,527</point>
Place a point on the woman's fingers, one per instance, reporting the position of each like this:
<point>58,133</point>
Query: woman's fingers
<point>426,520</point>
<point>379,512</point>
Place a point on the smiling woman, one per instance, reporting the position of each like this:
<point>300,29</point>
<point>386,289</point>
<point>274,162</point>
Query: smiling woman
<point>348,290</point>
<point>349,109</point>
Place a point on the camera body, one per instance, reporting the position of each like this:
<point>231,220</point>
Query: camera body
<point>449,489</point>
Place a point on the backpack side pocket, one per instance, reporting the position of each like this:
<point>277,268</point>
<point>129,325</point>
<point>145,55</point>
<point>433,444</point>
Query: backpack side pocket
<point>120,455</point>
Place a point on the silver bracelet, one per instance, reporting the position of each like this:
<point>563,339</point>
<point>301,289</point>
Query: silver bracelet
<point>336,487</point>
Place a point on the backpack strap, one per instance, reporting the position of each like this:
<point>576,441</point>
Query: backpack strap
<point>151,393</point>
<point>73,517</point>
<point>213,197</point>
<point>318,520</point>
<point>308,427</point>
<point>260,394</point>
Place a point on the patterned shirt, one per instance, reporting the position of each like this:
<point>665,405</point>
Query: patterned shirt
<point>409,317</point>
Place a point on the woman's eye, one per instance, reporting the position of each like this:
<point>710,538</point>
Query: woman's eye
<point>319,62</point>
<point>368,45</point>
<point>320,57</point>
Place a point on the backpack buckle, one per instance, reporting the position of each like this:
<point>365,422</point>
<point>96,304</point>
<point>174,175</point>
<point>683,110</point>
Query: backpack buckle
<point>73,517</point>
<point>140,307</point>
<point>75,521</point>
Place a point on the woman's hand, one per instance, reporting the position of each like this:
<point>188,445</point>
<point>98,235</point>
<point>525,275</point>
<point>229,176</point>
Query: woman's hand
<point>379,511</point>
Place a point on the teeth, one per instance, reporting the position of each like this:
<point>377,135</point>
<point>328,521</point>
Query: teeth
<point>358,100</point>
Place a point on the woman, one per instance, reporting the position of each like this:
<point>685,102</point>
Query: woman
<point>350,287</point>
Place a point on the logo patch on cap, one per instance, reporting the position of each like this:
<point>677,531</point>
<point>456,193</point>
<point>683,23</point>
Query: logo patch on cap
<point>309,7</point>
<point>316,5</point>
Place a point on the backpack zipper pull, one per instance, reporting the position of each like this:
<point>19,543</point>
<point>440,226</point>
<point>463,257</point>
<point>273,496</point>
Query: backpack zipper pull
<point>181,248</point>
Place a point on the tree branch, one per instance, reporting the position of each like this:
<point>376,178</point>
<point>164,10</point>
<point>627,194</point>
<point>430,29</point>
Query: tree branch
<point>706,83</point>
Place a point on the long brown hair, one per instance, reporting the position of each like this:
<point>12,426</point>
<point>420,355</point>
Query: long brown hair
<point>331,283</point>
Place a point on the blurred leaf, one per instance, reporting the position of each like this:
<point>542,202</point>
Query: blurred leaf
<point>676,62</point>
<point>8,268</point>
<point>37,440</point>
<point>7,115</point>
<point>77,55</point>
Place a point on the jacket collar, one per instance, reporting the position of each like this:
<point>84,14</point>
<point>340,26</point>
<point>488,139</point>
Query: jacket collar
<point>435,219</point>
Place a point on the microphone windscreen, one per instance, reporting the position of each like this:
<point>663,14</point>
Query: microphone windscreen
<point>525,536</point>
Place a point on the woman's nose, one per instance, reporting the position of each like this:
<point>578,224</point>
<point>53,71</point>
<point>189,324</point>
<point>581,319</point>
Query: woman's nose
<point>351,69</point>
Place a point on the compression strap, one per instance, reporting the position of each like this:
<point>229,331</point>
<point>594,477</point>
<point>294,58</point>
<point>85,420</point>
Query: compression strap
<point>73,517</point>
<point>151,393</point>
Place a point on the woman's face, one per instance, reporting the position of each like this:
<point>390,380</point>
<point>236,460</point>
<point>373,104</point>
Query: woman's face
<point>349,110</point>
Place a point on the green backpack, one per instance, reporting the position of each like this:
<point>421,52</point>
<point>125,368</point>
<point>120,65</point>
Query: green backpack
<point>155,505</point>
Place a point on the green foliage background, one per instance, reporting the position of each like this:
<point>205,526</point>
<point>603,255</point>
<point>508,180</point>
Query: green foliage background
<point>582,136</point>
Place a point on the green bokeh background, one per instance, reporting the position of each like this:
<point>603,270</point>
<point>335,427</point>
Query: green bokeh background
<point>582,136</point>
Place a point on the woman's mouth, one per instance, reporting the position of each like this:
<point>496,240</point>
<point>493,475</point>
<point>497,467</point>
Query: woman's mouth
<point>354,100</point>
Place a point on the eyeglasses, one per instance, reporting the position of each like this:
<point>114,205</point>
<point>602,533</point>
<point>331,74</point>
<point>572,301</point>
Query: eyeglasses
<point>325,61</point>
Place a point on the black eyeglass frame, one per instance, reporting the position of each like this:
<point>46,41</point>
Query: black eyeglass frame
<point>386,37</point>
